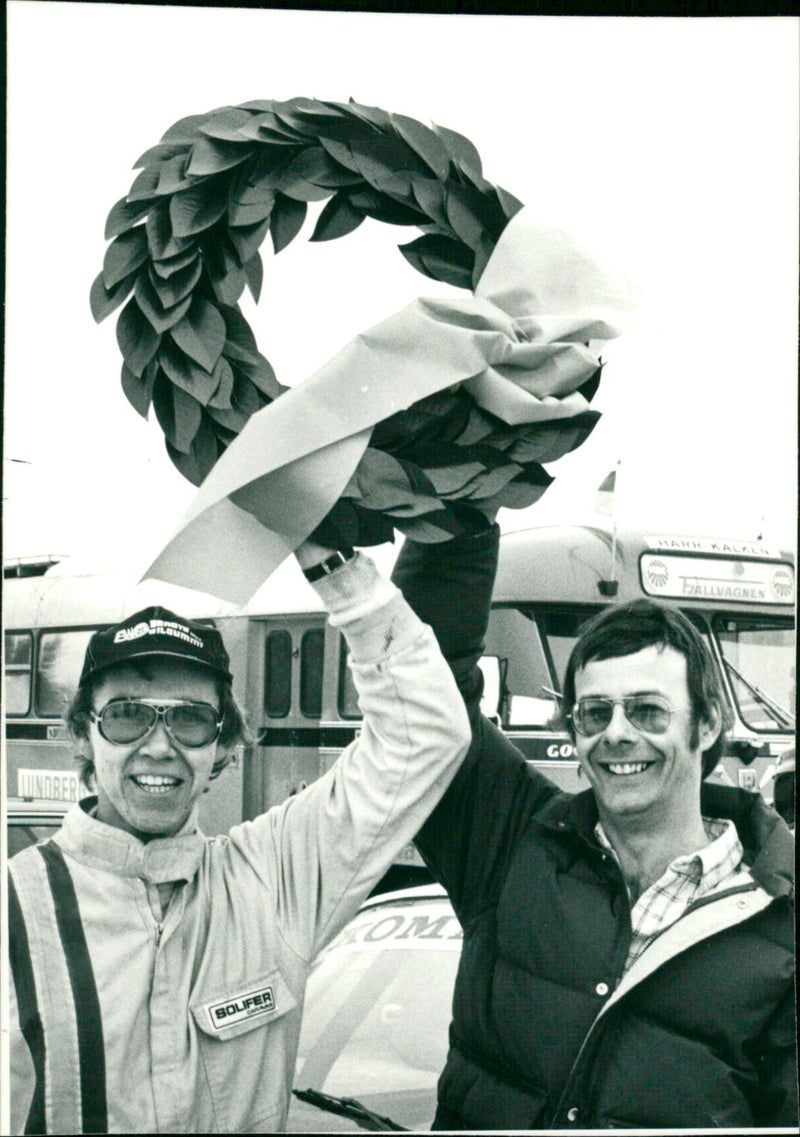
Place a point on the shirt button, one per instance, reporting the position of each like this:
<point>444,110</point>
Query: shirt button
<point>572,1114</point>
<point>741,903</point>
<point>602,988</point>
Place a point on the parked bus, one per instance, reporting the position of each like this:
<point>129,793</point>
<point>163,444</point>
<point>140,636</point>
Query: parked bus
<point>291,675</point>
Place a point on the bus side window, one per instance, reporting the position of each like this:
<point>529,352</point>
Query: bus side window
<point>560,628</point>
<point>278,674</point>
<point>526,697</point>
<point>59,666</point>
<point>312,650</point>
<point>348,696</point>
<point>18,672</point>
<point>494,686</point>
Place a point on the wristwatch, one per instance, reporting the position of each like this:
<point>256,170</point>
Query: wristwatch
<point>329,565</point>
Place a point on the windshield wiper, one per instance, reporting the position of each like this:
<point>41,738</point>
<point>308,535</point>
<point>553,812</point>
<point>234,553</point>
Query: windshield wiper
<point>349,1107</point>
<point>781,716</point>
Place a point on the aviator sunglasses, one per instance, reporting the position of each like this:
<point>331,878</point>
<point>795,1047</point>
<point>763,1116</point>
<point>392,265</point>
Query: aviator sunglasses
<point>123,721</point>
<point>649,713</point>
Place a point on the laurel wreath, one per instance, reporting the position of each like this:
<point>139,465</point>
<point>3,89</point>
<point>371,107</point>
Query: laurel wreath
<point>185,244</point>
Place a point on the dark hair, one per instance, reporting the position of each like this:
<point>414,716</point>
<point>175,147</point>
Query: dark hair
<point>234,727</point>
<point>628,628</point>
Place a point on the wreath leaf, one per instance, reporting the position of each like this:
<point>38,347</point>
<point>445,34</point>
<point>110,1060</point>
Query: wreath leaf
<point>145,186</point>
<point>223,390</point>
<point>464,220</point>
<point>254,273</point>
<point>240,343</point>
<point>103,301</point>
<point>341,153</point>
<point>160,237</point>
<point>460,149</point>
<point>248,239</point>
<point>172,175</point>
<point>161,318</point>
<point>183,372</point>
<point>124,215</point>
<point>210,156</point>
<point>201,333</point>
<point>178,414</point>
<point>161,152</point>
<point>137,340</point>
<point>225,125</point>
<point>337,219</point>
<point>424,142</point>
<point>244,214</point>
<point>179,284</point>
<point>261,376</point>
<point>440,258</point>
<point>186,129</point>
<point>193,210</point>
<point>169,265</point>
<point>286,220</point>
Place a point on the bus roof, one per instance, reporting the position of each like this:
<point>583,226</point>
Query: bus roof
<point>554,563</point>
<point>573,564</point>
<point>60,599</point>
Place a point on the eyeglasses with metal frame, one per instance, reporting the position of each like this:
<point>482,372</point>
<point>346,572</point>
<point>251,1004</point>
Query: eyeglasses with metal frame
<point>190,724</point>
<point>648,713</point>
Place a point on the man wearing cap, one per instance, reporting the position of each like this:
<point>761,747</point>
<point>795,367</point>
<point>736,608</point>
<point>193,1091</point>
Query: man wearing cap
<point>628,958</point>
<point>159,975</point>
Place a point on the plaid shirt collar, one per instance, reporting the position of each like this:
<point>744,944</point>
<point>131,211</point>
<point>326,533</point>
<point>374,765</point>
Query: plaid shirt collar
<point>689,877</point>
<point>712,861</point>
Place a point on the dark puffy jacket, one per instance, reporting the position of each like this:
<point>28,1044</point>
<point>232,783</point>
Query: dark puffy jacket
<point>547,1031</point>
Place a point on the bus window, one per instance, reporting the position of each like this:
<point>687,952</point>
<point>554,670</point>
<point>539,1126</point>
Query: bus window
<point>527,697</point>
<point>494,685</point>
<point>61,657</point>
<point>312,648</point>
<point>560,628</point>
<point>759,659</point>
<point>278,674</point>
<point>348,696</point>
<point>18,672</point>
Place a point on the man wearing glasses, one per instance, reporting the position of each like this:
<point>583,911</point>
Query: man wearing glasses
<point>628,953</point>
<point>158,975</point>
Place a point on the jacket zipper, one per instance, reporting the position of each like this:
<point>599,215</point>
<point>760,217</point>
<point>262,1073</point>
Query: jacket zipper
<point>708,899</point>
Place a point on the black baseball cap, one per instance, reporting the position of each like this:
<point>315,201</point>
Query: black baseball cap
<point>156,632</point>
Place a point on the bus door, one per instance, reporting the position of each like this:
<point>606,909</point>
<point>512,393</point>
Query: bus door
<point>286,658</point>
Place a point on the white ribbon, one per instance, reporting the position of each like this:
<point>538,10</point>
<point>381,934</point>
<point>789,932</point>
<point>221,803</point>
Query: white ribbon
<point>517,345</point>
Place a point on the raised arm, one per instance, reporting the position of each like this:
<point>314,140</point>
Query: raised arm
<point>331,843</point>
<point>449,585</point>
<point>465,840</point>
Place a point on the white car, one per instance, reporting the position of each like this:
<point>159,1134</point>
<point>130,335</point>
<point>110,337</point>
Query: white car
<point>378,1007</point>
<point>29,820</point>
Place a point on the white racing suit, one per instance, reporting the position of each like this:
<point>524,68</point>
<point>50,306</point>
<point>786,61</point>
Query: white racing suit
<point>122,1020</point>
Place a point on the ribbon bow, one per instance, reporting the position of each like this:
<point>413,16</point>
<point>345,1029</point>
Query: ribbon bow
<point>518,346</point>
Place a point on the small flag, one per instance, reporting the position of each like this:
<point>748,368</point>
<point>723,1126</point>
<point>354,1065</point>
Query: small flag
<point>605,493</point>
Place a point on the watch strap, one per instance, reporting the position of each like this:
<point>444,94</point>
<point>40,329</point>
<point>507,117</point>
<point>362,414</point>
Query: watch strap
<point>329,565</point>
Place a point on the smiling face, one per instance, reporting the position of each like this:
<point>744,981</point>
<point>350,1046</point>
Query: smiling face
<point>636,775</point>
<point>149,787</point>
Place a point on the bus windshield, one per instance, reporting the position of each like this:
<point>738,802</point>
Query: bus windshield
<point>759,660</point>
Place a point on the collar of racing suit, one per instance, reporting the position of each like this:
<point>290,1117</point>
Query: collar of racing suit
<point>160,861</point>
